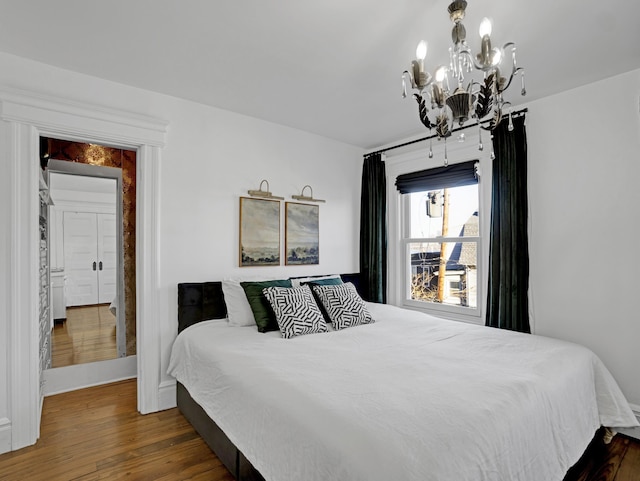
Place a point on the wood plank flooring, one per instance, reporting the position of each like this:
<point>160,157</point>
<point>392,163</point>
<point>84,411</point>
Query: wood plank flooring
<point>618,461</point>
<point>87,335</point>
<point>96,433</point>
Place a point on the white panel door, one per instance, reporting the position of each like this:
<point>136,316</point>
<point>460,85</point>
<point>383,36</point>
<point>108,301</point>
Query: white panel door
<point>90,253</point>
<point>107,258</point>
<point>81,258</point>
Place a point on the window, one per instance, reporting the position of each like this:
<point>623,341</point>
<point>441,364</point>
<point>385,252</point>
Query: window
<point>441,240</point>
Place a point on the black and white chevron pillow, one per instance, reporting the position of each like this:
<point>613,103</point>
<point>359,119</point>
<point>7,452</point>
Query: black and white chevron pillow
<point>296,310</point>
<point>344,306</point>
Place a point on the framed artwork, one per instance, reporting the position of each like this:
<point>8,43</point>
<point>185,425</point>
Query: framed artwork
<point>302,239</point>
<point>259,232</point>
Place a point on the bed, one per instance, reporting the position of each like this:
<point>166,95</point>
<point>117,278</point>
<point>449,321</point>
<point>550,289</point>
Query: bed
<point>409,397</point>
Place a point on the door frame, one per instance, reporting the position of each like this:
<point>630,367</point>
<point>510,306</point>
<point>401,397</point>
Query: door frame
<point>25,117</point>
<point>87,170</point>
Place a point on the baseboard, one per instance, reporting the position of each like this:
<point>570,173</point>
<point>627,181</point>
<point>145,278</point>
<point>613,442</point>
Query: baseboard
<point>167,392</point>
<point>5,435</point>
<point>80,376</point>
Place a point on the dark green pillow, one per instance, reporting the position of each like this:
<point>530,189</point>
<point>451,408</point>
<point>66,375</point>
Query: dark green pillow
<point>332,281</point>
<point>262,311</point>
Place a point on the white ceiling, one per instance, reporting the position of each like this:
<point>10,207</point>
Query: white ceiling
<point>330,67</point>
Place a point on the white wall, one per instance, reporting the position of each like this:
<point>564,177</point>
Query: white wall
<point>211,158</point>
<point>584,173</point>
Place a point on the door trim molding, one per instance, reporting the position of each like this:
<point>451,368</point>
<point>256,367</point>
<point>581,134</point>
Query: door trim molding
<point>23,377</point>
<point>27,116</point>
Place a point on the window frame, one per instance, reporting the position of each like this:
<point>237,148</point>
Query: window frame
<point>469,313</point>
<point>406,160</point>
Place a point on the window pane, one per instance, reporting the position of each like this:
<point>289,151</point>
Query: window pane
<point>459,205</point>
<point>444,273</point>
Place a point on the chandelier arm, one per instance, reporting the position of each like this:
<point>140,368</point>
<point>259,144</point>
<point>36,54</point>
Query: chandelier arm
<point>406,74</point>
<point>513,74</point>
<point>476,64</point>
<point>498,116</point>
<point>514,67</point>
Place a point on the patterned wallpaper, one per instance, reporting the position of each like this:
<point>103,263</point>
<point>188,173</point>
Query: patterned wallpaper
<point>126,160</point>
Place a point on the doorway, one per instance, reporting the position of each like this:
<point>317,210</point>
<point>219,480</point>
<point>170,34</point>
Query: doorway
<point>93,337</point>
<point>85,248</point>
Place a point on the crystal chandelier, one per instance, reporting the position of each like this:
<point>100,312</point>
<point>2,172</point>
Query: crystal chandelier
<point>480,99</point>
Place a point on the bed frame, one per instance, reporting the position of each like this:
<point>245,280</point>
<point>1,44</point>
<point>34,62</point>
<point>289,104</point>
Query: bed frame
<point>197,302</point>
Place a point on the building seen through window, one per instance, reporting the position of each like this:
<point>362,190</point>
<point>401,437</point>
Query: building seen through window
<point>442,245</point>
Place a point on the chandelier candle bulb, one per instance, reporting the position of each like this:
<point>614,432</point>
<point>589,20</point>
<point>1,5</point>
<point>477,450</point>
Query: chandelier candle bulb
<point>497,57</point>
<point>485,28</point>
<point>485,57</point>
<point>421,53</point>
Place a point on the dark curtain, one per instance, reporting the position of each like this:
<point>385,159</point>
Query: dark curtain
<point>507,301</point>
<point>373,230</point>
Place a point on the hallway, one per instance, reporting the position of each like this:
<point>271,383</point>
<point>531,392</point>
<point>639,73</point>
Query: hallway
<point>87,335</point>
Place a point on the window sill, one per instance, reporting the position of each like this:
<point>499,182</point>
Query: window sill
<point>448,313</point>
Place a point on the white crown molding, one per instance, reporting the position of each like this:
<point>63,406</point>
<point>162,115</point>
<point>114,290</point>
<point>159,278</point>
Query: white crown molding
<point>56,115</point>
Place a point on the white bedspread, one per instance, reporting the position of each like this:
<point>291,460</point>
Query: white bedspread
<point>410,397</point>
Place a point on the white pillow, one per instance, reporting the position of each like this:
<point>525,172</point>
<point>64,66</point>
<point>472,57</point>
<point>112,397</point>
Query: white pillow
<point>296,310</point>
<point>238,309</point>
<point>297,282</point>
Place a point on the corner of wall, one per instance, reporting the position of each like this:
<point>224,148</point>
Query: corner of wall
<point>167,392</point>
<point>5,435</point>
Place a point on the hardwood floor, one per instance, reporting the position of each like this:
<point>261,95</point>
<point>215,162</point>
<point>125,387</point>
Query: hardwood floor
<point>618,461</point>
<point>87,335</point>
<point>96,433</point>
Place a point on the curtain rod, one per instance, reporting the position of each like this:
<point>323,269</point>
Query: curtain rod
<point>517,113</point>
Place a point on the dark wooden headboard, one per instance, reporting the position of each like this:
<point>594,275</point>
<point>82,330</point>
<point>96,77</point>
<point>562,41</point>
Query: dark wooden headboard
<point>200,301</point>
